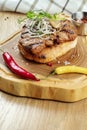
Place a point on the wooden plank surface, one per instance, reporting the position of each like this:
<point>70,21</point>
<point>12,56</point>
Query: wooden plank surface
<point>31,114</point>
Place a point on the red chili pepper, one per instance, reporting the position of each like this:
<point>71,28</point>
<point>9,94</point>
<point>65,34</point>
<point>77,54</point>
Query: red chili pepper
<point>14,67</point>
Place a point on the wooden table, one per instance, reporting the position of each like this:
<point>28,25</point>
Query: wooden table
<point>18,113</point>
<point>31,114</point>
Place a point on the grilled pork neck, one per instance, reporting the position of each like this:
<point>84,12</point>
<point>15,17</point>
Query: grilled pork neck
<point>45,48</point>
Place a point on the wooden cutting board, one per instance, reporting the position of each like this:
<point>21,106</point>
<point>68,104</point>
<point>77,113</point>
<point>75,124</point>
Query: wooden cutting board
<point>66,87</point>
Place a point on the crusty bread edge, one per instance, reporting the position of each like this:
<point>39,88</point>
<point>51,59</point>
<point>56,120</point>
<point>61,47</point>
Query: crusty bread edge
<point>49,54</point>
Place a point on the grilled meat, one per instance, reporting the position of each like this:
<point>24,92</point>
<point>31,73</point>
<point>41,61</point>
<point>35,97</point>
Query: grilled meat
<point>36,45</point>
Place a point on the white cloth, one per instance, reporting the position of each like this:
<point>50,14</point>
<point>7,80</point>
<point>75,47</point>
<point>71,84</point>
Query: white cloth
<point>51,6</point>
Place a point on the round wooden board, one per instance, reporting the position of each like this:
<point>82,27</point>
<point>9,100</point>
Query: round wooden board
<point>66,87</point>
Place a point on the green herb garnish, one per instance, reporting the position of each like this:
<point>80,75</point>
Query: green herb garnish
<point>38,14</point>
<point>31,14</point>
<point>42,14</point>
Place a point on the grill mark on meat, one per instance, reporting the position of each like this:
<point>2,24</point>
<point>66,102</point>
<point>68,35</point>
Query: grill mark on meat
<point>22,37</point>
<point>70,31</point>
<point>25,32</point>
<point>56,41</point>
<point>64,25</point>
<point>67,31</point>
<point>33,46</point>
<point>24,26</point>
<point>42,57</point>
<point>26,35</point>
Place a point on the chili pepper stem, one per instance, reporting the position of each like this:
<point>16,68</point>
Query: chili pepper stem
<point>52,73</point>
